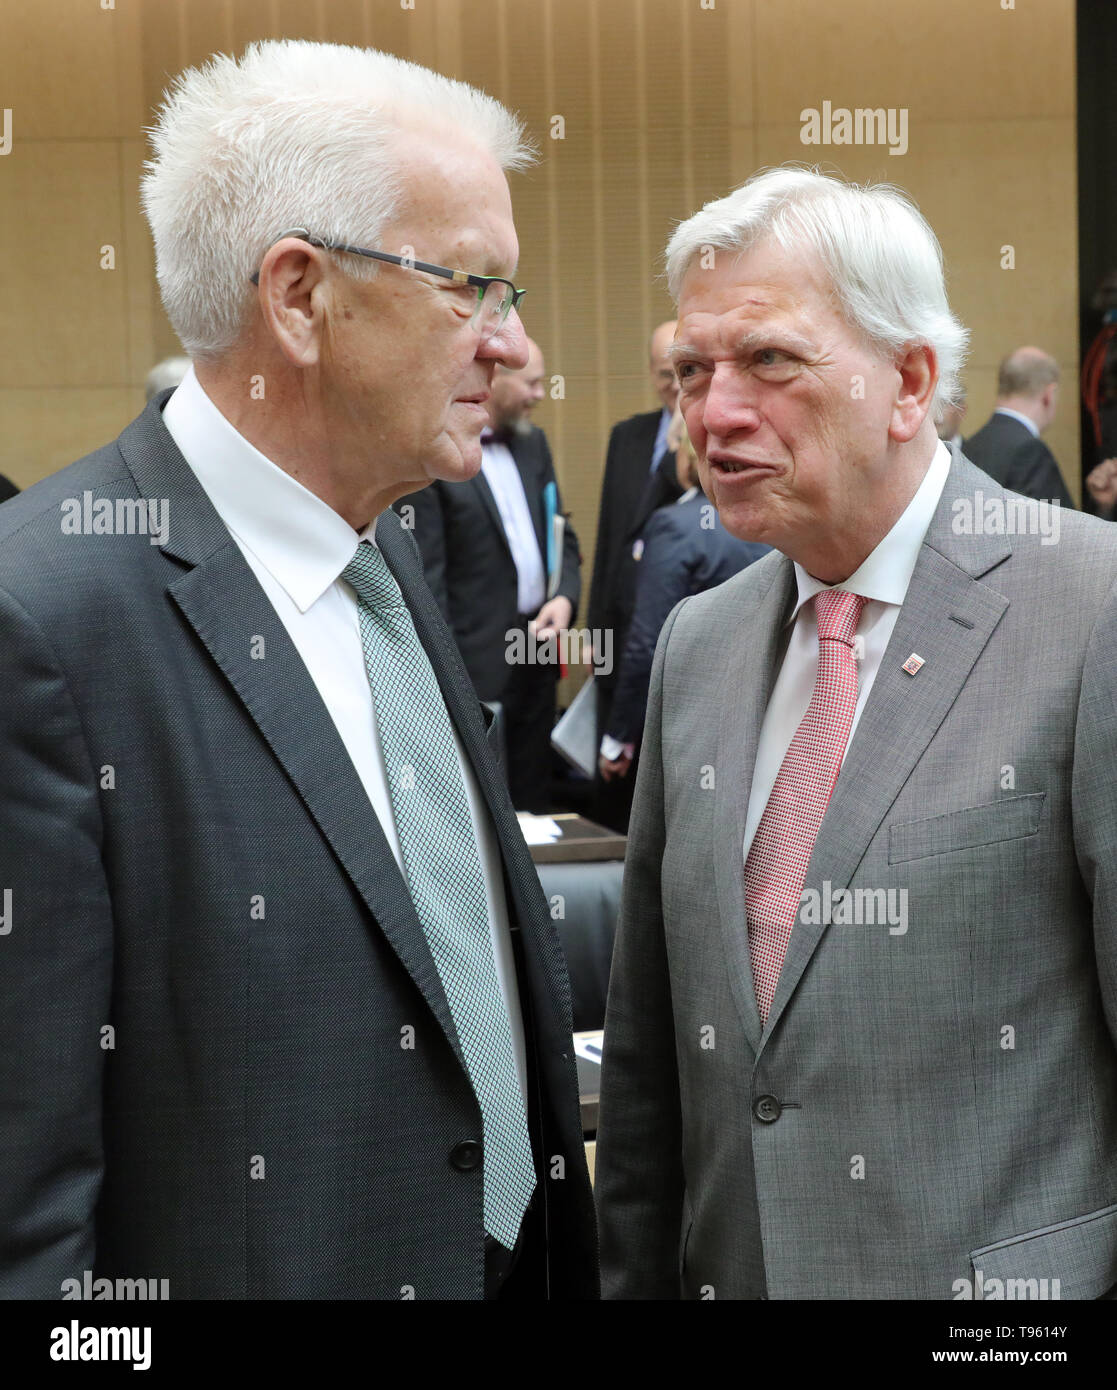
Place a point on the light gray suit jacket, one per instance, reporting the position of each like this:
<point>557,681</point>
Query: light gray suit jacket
<point>922,1104</point>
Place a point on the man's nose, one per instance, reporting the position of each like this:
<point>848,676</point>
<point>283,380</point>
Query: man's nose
<point>730,403</point>
<point>508,345</point>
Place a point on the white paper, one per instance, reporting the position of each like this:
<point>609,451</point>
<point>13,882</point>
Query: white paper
<point>575,735</point>
<point>539,830</point>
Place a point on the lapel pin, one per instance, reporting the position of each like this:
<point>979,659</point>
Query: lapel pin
<point>913,663</point>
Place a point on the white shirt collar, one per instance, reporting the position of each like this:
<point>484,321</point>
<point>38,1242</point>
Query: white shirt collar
<point>886,572</point>
<point>303,543</point>
<point>1031,426</point>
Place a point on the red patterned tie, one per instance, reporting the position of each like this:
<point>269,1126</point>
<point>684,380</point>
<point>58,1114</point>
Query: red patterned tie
<point>781,848</point>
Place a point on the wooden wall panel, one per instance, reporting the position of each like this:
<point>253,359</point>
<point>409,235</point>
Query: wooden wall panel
<point>666,105</point>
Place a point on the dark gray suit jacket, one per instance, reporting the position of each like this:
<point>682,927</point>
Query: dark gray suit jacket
<point>1011,453</point>
<point>934,1092</point>
<point>468,562</point>
<point>214,967</point>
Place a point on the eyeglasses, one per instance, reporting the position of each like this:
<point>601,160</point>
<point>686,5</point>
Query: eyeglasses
<point>496,297</point>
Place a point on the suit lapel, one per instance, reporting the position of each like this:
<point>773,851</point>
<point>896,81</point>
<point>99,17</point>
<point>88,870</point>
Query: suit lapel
<point>947,618</point>
<point>743,695</point>
<point>221,599</point>
<point>642,480</point>
<point>480,485</point>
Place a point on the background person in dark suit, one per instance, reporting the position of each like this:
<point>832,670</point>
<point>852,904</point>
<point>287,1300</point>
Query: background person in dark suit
<point>639,477</point>
<point>7,488</point>
<point>1008,446</point>
<point>686,551</point>
<point>485,549</point>
<point>282,1010</point>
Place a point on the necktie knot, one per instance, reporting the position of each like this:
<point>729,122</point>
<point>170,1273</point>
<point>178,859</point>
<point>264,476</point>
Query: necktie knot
<point>838,612</point>
<point>370,576</point>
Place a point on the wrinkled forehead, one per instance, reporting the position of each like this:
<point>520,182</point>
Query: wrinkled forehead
<point>730,293</point>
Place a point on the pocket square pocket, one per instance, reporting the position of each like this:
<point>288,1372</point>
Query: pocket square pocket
<point>1008,819</point>
<point>1071,1259</point>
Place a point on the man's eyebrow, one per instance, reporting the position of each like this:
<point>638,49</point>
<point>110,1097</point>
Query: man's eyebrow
<point>778,338</point>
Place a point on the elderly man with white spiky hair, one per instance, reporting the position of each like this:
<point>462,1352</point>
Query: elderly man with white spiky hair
<point>860,1039</point>
<point>283,1013</point>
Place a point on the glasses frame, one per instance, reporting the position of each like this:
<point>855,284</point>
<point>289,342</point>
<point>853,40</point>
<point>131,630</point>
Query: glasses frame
<point>460,277</point>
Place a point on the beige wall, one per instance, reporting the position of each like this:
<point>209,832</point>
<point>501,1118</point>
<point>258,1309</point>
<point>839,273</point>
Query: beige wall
<point>666,103</point>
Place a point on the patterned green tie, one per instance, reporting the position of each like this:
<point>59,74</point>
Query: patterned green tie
<point>443,871</point>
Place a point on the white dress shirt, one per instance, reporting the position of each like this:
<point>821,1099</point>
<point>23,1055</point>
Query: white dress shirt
<point>507,486</point>
<point>883,579</point>
<point>297,546</point>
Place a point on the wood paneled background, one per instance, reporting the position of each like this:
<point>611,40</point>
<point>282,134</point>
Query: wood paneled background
<point>666,103</point>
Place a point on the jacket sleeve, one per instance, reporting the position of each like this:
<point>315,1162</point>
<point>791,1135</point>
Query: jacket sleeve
<point>1094,797</point>
<point>56,957</point>
<point>639,1182</point>
<point>662,579</point>
<point>428,529</point>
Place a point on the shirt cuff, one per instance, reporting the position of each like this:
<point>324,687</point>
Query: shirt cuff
<point>611,749</point>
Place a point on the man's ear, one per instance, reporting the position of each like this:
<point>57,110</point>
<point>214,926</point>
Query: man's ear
<point>292,299</point>
<point>919,375</point>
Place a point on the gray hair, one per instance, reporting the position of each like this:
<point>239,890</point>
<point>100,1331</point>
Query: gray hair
<point>882,257</point>
<point>293,134</point>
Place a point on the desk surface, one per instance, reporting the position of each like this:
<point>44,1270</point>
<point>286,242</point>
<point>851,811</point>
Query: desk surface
<point>582,842</point>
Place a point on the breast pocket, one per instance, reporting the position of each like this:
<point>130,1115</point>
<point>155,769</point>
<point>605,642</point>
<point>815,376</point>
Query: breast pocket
<point>1011,818</point>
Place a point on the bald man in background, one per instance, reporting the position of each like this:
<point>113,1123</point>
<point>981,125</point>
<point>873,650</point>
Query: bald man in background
<point>1008,446</point>
<point>639,477</point>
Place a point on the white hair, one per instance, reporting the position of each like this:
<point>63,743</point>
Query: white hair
<point>293,134</point>
<point>883,259</point>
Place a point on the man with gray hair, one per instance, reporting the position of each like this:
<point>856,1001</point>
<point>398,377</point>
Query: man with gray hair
<point>1008,446</point>
<point>868,932</point>
<point>283,1012</point>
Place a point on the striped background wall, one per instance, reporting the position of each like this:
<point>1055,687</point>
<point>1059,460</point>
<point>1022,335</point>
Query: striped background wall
<point>665,103</point>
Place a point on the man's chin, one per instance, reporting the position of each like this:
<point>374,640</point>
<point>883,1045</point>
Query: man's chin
<point>460,461</point>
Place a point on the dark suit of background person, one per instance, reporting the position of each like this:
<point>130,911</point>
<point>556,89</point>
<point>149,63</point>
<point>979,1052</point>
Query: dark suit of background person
<point>684,554</point>
<point>1008,446</point>
<point>469,566</point>
<point>7,488</point>
<point>1008,451</point>
<point>639,477</point>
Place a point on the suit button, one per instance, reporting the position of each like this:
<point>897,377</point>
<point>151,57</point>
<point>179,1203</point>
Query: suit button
<point>466,1155</point>
<point>767,1109</point>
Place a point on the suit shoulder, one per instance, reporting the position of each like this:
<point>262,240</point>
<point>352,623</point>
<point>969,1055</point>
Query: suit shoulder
<point>636,424</point>
<point>32,521</point>
<point>732,603</point>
